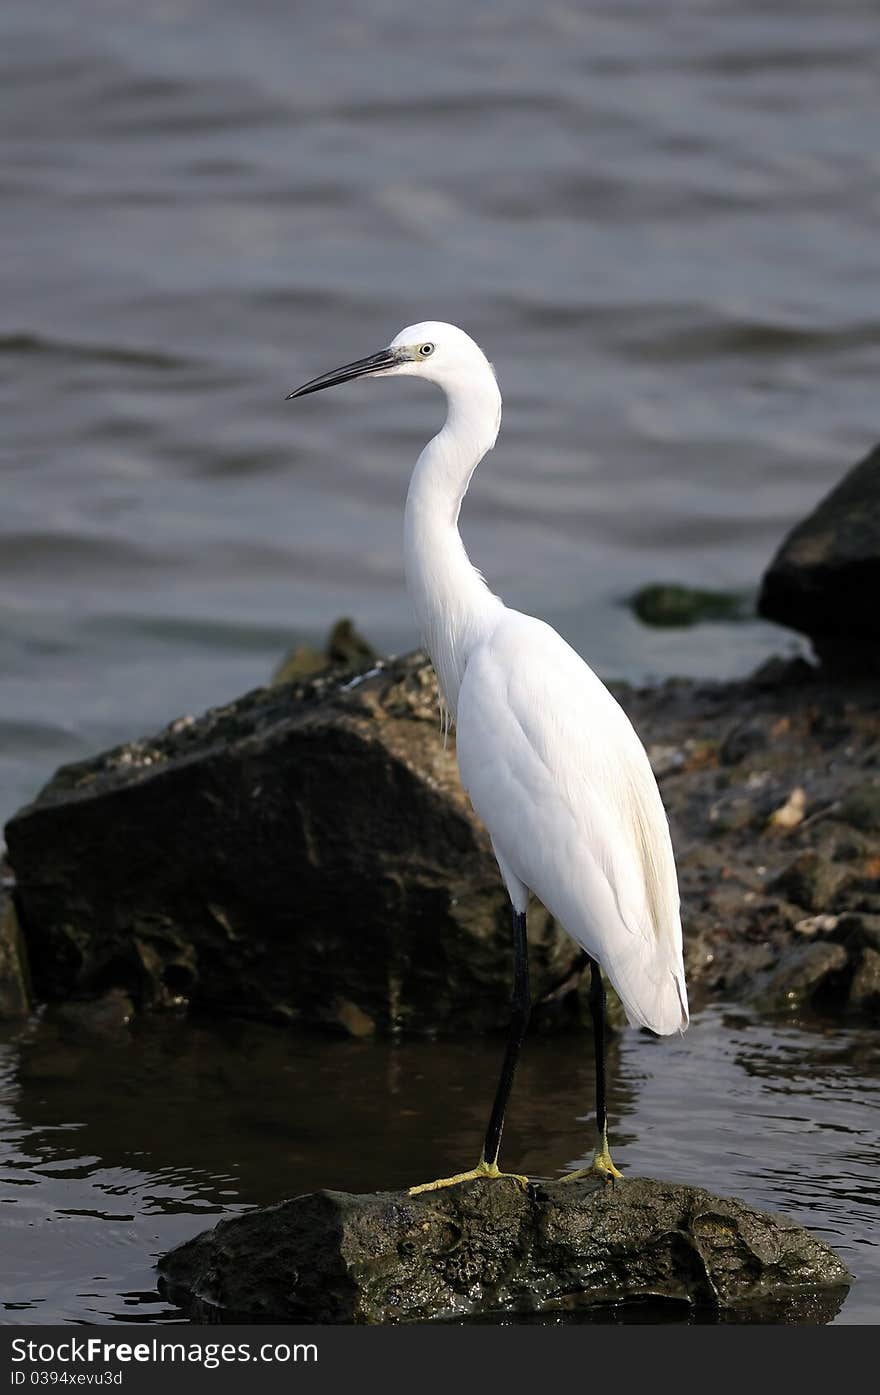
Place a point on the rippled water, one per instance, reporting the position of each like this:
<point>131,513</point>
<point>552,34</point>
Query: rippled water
<point>115,1148</point>
<point>660,220</point>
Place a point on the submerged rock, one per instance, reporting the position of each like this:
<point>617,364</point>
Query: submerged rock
<point>305,854</point>
<point>489,1248</point>
<point>668,605</point>
<point>825,578</point>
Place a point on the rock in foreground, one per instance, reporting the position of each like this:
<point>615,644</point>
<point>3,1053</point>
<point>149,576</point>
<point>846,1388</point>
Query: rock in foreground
<point>489,1248</point>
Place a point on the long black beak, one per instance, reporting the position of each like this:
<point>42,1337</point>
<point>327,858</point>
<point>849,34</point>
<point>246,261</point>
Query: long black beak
<point>386,358</point>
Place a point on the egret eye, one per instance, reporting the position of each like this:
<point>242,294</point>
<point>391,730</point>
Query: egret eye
<point>426,350</point>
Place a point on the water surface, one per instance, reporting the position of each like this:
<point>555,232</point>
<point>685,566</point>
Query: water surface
<point>660,220</point>
<point>114,1148</point>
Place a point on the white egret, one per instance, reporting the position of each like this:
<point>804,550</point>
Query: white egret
<point>549,759</point>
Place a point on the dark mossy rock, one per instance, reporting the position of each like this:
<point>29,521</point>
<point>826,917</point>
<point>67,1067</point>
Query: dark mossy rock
<point>666,604</point>
<point>14,988</point>
<point>805,976</point>
<point>489,1248</point>
<point>345,652</point>
<point>742,741</point>
<point>861,808</point>
<point>305,854</point>
<point>812,880</point>
<point>825,578</point>
<point>864,993</point>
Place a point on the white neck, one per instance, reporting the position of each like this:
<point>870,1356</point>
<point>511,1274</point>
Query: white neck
<point>454,606</point>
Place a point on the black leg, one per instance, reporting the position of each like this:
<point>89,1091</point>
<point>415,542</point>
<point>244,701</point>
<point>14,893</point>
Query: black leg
<point>597,1010</point>
<point>601,1166</point>
<point>520,1008</point>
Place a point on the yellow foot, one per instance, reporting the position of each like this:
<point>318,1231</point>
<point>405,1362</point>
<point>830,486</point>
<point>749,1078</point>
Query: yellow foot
<point>601,1167</point>
<point>482,1169</point>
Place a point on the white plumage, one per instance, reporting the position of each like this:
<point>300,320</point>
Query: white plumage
<point>549,759</point>
<point>561,781</point>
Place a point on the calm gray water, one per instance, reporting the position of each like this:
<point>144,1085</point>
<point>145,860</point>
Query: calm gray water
<point>661,223</point>
<point>659,220</point>
<point>112,1149</point>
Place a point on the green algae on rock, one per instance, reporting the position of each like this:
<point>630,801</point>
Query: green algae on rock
<point>669,605</point>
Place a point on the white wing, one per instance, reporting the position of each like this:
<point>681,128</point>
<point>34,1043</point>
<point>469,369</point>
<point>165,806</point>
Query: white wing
<point>560,779</point>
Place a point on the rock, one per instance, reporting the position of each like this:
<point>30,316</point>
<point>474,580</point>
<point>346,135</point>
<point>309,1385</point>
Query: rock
<point>861,808</point>
<point>14,994</point>
<point>778,672</point>
<point>665,760</point>
<point>825,578</point>
<point>97,1017</point>
<point>860,929</point>
<point>305,661</point>
<point>744,740</point>
<point>790,814</point>
<point>803,975</point>
<point>489,1248</point>
<point>345,651</point>
<point>732,813</point>
<point>668,605</point>
<point>864,993</point>
<point>308,854</point>
<point>810,881</point>
<point>817,925</point>
<point>304,855</point>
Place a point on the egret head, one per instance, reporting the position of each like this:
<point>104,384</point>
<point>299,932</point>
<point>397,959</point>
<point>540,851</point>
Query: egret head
<point>441,353</point>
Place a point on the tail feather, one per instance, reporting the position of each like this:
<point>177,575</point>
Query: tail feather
<point>653,996</point>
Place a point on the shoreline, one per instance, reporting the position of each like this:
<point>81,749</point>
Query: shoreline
<point>772,785</point>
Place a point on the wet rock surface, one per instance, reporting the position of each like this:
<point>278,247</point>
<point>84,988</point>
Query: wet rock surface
<point>825,578</point>
<point>307,854</point>
<point>14,987</point>
<point>488,1248</point>
<point>771,798</point>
